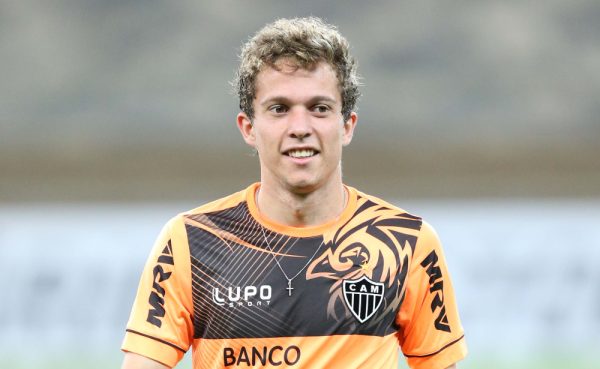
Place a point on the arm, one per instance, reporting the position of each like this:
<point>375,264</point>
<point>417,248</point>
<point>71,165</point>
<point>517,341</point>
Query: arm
<point>135,361</point>
<point>431,334</point>
<point>160,326</point>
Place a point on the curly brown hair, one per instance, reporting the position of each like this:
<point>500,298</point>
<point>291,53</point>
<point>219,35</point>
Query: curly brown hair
<point>305,41</point>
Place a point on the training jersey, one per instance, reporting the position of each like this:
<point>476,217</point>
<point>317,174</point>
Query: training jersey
<point>246,292</point>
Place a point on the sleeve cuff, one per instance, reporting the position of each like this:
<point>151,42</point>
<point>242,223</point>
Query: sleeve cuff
<point>151,347</point>
<point>446,356</point>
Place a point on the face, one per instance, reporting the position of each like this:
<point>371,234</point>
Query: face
<point>298,128</point>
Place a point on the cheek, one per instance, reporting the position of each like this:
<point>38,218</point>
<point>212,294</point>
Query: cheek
<point>346,134</point>
<point>336,144</point>
<point>265,144</point>
<point>343,137</point>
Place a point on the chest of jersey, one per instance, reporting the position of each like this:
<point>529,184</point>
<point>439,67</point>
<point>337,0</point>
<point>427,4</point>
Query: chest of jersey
<point>249,282</point>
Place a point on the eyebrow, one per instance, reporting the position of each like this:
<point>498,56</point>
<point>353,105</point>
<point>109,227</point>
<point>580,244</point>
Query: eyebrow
<point>284,99</point>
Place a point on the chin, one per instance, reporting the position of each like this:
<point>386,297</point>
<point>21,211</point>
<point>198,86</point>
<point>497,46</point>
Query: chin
<point>302,186</point>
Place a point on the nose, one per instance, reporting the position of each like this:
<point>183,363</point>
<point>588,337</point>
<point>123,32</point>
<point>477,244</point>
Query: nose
<point>299,124</point>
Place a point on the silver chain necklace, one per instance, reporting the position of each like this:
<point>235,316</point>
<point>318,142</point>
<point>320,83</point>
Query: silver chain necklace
<point>289,280</point>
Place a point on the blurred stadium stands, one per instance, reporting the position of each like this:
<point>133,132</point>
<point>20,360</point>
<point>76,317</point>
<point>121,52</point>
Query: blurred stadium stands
<point>131,101</point>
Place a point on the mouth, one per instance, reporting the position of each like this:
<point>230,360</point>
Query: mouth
<point>301,153</point>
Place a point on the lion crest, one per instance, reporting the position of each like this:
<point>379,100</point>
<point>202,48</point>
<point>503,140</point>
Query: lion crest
<point>377,243</point>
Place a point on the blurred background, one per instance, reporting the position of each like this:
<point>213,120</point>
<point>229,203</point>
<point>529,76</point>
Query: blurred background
<point>480,116</point>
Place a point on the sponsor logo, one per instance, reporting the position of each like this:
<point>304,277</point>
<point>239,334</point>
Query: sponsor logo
<point>255,356</point>
<point>157,297</point>
<point>363,297</point>
<point>242,296</point>
<point>436,287</point>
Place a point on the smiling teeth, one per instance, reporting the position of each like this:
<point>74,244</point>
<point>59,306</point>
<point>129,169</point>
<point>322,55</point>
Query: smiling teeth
<point>301,153</point>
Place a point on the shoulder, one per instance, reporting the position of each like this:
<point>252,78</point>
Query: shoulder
<point>366,200</point>
<point>223,204</point>
<point>413,224</point>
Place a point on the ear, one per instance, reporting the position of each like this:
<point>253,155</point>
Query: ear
<point>246,129</point>
<point>349,126</point>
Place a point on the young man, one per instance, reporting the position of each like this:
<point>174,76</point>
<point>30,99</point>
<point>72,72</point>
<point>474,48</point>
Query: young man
<point>298,270</point>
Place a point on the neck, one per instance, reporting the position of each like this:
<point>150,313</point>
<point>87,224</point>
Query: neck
<point>298,209</point>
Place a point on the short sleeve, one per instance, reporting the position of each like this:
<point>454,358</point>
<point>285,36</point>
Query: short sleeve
<point>431,335</point>
<point>160,325</point>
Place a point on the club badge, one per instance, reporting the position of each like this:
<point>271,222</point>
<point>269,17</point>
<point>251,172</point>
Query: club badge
<point>363,297</point>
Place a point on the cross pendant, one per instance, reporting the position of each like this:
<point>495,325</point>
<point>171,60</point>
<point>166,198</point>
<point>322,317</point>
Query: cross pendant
<point>289,287</point>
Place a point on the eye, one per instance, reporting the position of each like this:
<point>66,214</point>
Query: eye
<point>278,109</point>
<point>321,109</point>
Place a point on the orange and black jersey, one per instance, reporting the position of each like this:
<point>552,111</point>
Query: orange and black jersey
<point>361,284</point>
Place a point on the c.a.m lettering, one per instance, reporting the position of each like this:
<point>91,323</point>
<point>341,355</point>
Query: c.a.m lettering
<point>157,296</point>
<point>436,286</point>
